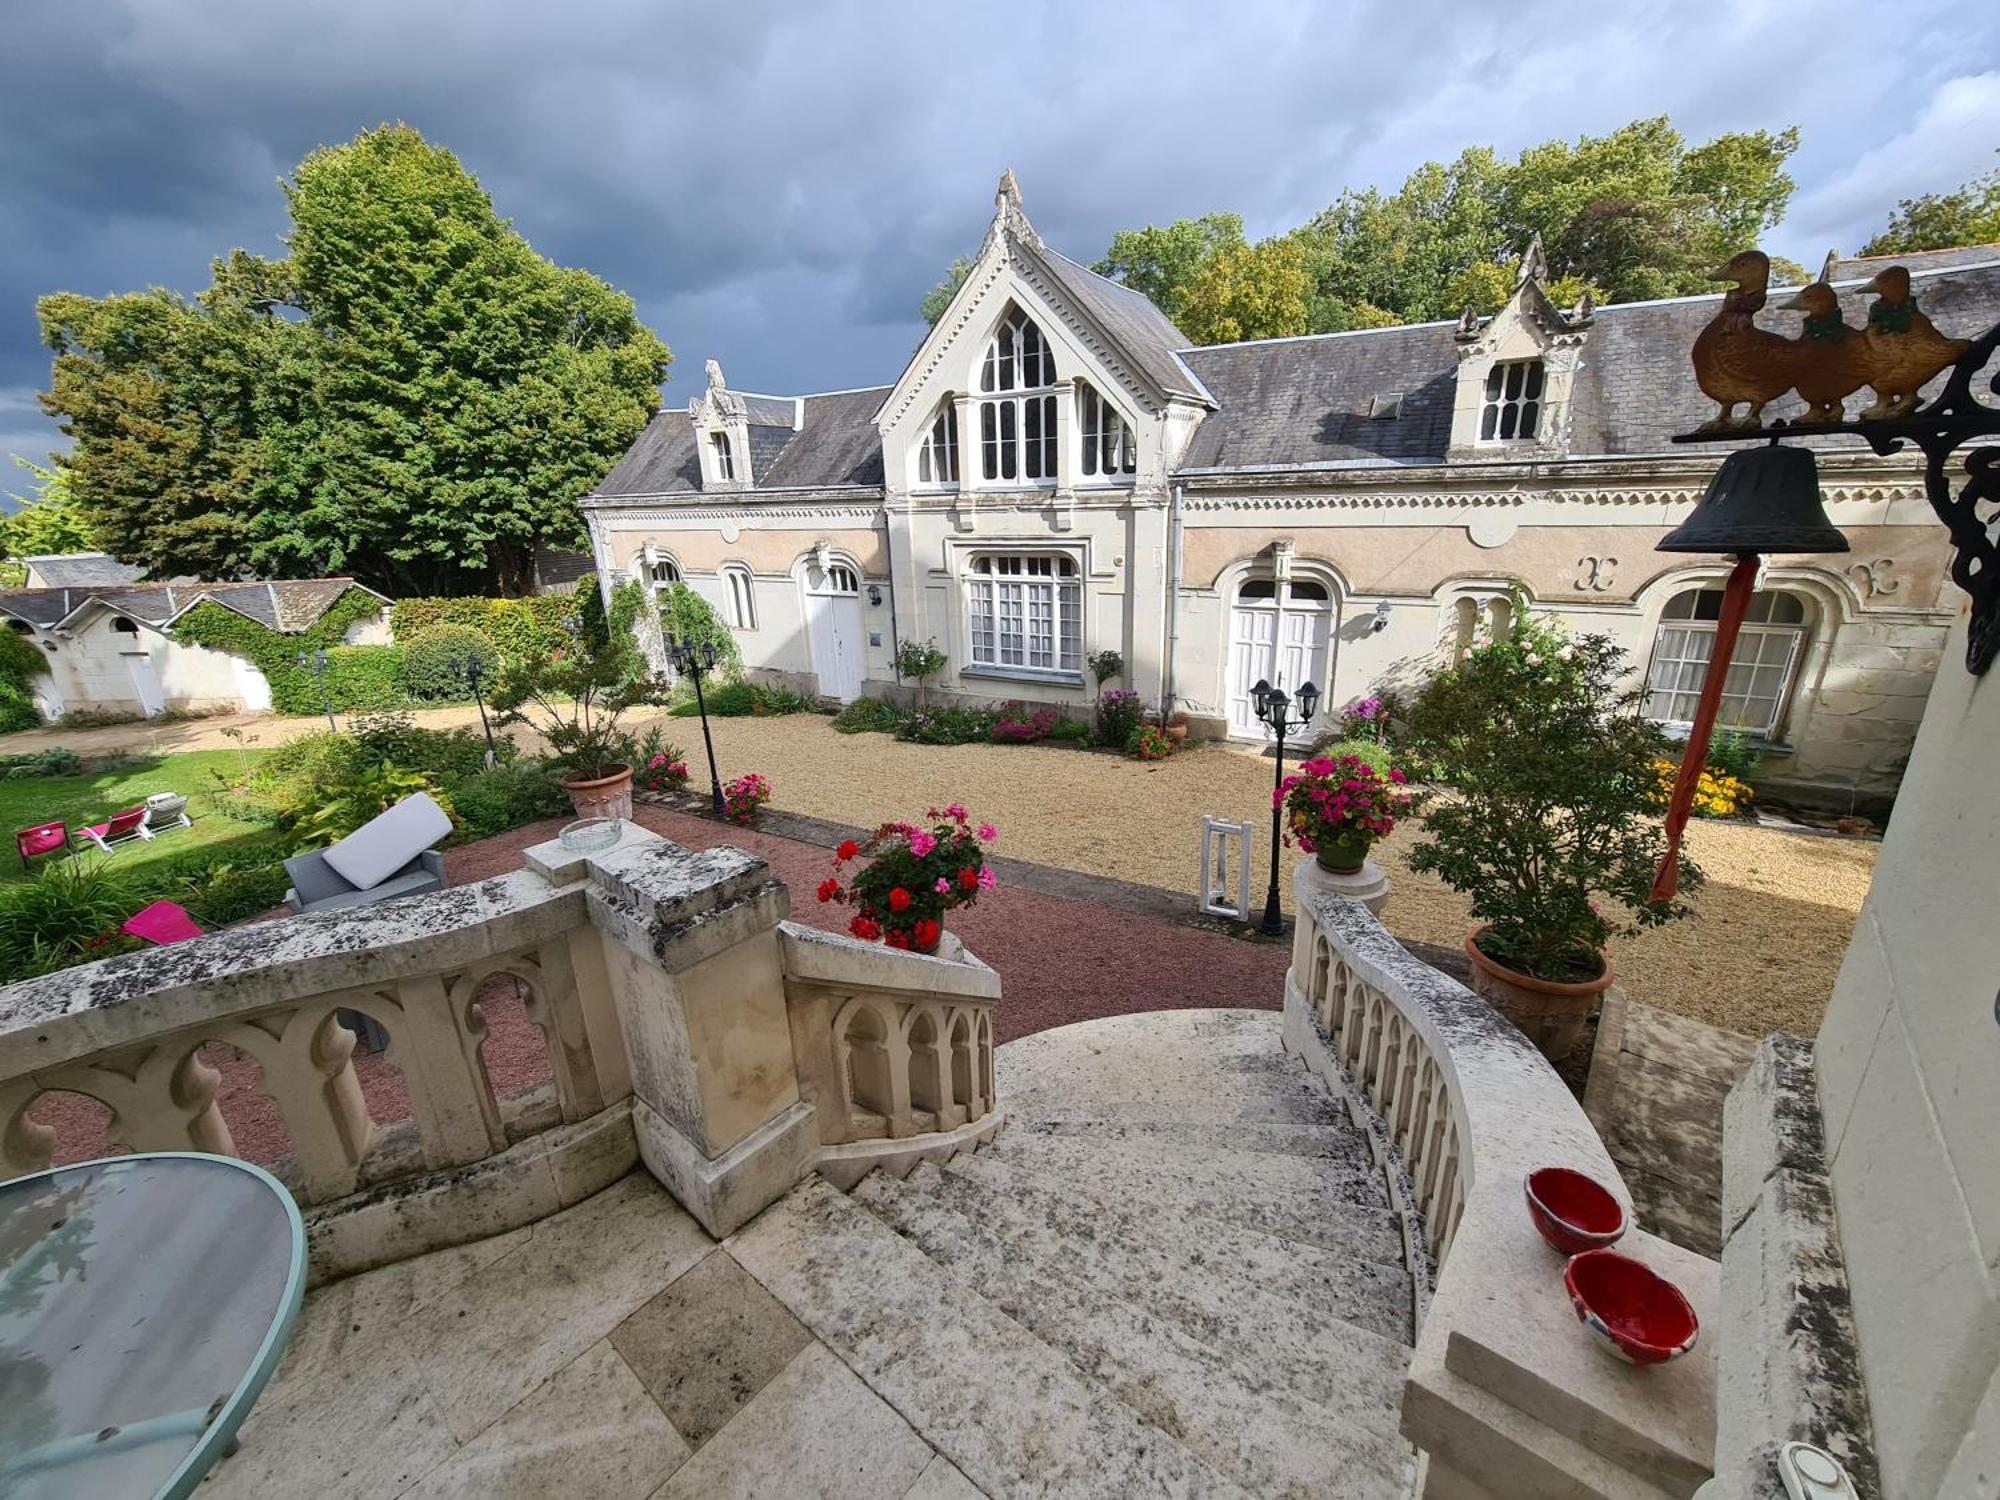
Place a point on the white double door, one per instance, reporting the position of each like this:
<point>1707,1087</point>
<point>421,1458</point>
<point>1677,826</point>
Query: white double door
<point>833,626</point>
<point>1278,633</point>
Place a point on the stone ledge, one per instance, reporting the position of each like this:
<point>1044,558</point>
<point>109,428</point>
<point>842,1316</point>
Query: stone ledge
<point>727,1191</point>
<point>846,1164</point>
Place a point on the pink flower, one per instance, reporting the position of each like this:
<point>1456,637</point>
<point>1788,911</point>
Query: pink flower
<point>943,886</point>
<point>956,812</point>
<point>921,844</point>
<point>987,879</point>
<point>987,833</point>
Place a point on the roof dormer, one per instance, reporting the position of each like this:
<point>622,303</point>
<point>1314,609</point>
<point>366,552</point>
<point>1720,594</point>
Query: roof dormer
<point>1516,370</point>
<point>721,422</point>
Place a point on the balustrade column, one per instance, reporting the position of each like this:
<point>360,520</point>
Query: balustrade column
<point>433,1043</point>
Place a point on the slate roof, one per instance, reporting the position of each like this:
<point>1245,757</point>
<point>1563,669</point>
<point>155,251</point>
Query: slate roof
<point>65,570</point>
<point>1133,322</point>
<point>1862,267</point>
<point>838,447</point>
<point>290,605</point>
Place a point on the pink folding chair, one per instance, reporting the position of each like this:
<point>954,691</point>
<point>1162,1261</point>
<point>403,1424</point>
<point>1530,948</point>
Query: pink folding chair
<point>163,922</point>
<point>124,827</point>
<point>43,838</point>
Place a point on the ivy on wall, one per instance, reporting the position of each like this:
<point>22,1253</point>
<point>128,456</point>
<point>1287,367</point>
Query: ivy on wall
<point>275,653</point>
<point>20,663</point>
<point>518,628</point>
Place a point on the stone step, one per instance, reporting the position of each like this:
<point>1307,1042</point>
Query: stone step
<point>1332,1205</point>
<point>1178,1250</point>
<point>1013,1413</point>
<point>1337,1143</point>
<point>1237,1417</point>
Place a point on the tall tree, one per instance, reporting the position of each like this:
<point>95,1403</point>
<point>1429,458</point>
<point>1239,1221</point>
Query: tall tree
<point>938,298</point>
<point>45,522</point>
<point>1247,292</point>
<point>1165,262</point>
<point>1939,221</point>
<point>412,395</point>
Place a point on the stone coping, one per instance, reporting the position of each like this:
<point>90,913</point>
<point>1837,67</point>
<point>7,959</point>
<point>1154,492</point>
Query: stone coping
<point>816,957</point>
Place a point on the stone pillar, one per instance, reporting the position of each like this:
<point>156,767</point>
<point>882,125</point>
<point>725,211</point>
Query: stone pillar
<point>691,949</point>
<point>1368,885</point>
<point>1069,457</point>
<point>969,458</point>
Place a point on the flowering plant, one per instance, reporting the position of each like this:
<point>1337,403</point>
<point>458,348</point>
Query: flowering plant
<point>1149,742</point>
<point>742,797</point>
<point>1716,795</point>
<point>665,771</point>
<point>914,875</point>
<point>1118,714</point>
<point>1339,799</point>
<point>1366,718</point>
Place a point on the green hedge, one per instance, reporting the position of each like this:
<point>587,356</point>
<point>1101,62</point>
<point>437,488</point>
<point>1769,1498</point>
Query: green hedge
<point>365,679</point>
<point>437,663</point>
<point>517,627</point>
<point>20,661</point>
<point>275,653</point>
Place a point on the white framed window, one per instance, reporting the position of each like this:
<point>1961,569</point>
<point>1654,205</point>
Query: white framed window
<point>1025,611</point>
<point>937,456</point>
<point>1017,412</point>
<point>1759,684</point>
<point>1513,406</point>
<point>724,456</point>
<point>1108,449</point>
<point>740,596</point>
<point>663,573</point>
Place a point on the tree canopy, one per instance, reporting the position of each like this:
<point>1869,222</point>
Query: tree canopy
<point>412,395</point>
<point>47,522</point>
<point>1938,221</point>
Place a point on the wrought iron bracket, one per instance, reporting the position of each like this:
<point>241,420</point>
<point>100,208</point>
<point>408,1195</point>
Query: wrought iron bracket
<point>1940,427</point>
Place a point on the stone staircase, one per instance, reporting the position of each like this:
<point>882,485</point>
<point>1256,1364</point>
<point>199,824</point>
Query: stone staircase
<point>1177,1271</point>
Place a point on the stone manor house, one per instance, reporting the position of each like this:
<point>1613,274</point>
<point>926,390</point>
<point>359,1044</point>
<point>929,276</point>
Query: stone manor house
<point>1058,472</point>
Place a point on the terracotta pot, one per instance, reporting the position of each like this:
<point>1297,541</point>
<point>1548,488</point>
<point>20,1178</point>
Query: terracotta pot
<point>1550,1015</point>
<point>1343,856</point>
<point>606,797</point>
<point>1177,732</point>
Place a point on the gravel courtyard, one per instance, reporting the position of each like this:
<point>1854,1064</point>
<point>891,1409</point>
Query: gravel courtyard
<point>1760,954</point>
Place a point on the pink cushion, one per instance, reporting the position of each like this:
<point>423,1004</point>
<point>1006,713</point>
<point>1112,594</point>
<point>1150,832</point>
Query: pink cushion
<point>162,922</point>
<point>42,840</point>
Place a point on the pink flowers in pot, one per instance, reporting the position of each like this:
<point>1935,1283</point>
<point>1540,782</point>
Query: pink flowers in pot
<point>1340,799</point>
<point>742,797</point>
<point>915,874</point>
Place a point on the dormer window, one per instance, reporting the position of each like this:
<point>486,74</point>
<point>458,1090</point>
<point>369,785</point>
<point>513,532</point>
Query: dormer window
<point>723,456</point>
<point>1513,402</point>
<point>937,457</point>
<point>1108,449</point>
<point>1017,420</point>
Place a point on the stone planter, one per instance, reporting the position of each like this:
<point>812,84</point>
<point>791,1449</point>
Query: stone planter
<point>1343,856</point>
<point>606,797</point>
<point>1368,885</point>
<point>1550,1015</point>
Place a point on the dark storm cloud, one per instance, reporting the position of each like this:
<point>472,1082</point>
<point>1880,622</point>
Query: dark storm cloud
<point>777,185</point>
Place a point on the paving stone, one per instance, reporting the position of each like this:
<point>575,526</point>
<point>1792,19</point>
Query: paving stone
<point>589,1429</point>
<point>942,1481</point>
<point>707,1344</point>
<point>816,1429</point>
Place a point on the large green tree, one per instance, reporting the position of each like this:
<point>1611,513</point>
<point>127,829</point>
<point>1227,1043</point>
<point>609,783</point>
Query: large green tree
<point>45,522</point>
<point>1939,221</point>
<point>412,395</point>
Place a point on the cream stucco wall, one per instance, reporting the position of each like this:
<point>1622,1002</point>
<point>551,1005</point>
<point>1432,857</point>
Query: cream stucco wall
<point>1909,1073</point>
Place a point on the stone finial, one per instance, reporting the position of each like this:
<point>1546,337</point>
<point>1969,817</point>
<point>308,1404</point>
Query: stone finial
<point>1008,195</point>
<point>1468,326</point>
<point>1584,309</point>
<point>1534,264</point>
<point>1008,214</point>
<point>1828,266</point>
<point>713,369</point>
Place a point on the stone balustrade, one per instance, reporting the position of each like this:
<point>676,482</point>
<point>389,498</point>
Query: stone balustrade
<point>1506,1395</point>
<point>686,1025</point>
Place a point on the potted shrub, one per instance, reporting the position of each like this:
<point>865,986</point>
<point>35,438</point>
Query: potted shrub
<point>1337,806</point>
<point>574,697</point>
<point>914,875</point>
<point>1551,817</point>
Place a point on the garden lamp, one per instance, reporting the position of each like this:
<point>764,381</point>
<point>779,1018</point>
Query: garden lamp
<point>693,659</point>
<point>317,663</point>
<point>1273,709</point>
<point>1761,501</point>
<point>475,673</point>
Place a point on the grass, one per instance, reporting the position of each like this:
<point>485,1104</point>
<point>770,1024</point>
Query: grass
<point>94,796</point>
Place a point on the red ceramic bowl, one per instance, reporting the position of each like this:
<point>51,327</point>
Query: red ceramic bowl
<point>1637,1315</point>
<point>1573,1212</point>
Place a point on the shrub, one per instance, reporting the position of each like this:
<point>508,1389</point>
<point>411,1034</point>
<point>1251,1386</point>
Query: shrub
<point>21,661</point>
<point>1118,714</point>
<point>1071,731</point>
<point>741,700</point>
<point>1020,723</point>
<point>436,752</point>
<point>490,802</point>
<point>1556,800</point>
<point>782,700</point>
<point>1148,742</point>
<point>232,890</point>
<point>742,797</point>
<point>869,716</point>
<point>1734,753</point>
<point>1367,718</point>
<point>1105,665</point>
<point>68,913</point>
<point>55,762</point>
<point>579,696</point>
<point>920,661</point>
<point>686,616</point>
<point>438,663</point>
<point>363,679</point>
<point>372,789</point>
<point>1372,752</point>
<point>913,877</point>
<point>947,726</point>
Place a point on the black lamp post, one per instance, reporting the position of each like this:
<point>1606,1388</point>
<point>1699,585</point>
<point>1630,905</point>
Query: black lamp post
<point>693,659</point>
<point>316,662</point>
<point>475,674</point>
<point>1274,709</point>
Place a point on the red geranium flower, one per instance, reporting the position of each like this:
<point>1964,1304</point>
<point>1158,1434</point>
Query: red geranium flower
<point>927,933</point>
<point>897,939</point>
<point>865,928</point>
<point>968,879</point>
<point>847,850</point>
<point>899,899</point>
<point>829,889</point>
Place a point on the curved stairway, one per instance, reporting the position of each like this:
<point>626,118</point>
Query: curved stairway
<point>1176,1271</point>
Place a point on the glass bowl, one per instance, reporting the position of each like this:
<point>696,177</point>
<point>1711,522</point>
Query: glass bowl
<point>588,835</point>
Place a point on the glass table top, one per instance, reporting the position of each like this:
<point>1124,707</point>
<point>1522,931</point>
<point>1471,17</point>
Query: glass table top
<point>144,1301</point>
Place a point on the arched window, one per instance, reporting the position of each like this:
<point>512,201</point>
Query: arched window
<point>1108,449</point>
<point>124,626</point>
<point>663,573</point>
<point>1513,405</point>
<point>722,455</point>
<point>1017,421</point>
<point>937,457</point>
<point>741,596</point>
<point>1025,610</point>
<point>1760,673</point>
<point>1475,613</point>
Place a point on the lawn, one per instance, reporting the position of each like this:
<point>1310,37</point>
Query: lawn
<point>93,796</point>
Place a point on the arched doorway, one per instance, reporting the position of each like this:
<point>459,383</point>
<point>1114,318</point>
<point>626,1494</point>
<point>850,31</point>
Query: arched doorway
<point>1279,632</point>
<point>833,626</point>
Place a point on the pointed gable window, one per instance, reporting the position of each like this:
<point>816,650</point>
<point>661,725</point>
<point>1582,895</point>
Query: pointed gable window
<point>1108,450</point>
<point>937,457</point>
<point>1017,410</point>
<point>725,457</point>
<point>1513,402</point>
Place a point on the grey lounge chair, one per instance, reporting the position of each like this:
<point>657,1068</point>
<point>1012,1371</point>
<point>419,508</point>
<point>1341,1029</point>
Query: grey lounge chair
<point>387,857</point>
<point>317,886</point>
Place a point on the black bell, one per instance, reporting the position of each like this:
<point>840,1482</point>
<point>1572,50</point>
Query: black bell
<point>1762,500</point>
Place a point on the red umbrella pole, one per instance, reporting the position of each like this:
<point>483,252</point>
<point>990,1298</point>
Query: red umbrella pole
<point>1735,604</point>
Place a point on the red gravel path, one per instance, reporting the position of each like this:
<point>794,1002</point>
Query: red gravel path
<point>1060,960</point>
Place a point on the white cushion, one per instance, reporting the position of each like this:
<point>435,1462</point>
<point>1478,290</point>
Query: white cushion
<point>382,846</point>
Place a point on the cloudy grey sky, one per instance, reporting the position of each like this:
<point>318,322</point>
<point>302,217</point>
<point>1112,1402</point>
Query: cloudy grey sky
<point>778,184</point>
